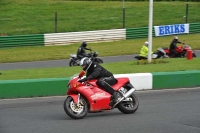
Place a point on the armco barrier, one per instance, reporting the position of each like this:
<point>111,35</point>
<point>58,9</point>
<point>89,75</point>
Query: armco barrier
<point>77,37</point>
<point>57,86</point>
<point>33,87</point>
<point>178,79</point>
<point>88,36</point>
<point>21,40</point>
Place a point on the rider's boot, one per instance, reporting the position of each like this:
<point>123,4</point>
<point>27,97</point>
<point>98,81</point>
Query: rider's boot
<point>115,98</point>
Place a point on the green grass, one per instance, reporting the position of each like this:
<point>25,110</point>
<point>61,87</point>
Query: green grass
<point>116,68</point>
<point>125,47</point>
<point>38,16</point>
<point>33,17</point>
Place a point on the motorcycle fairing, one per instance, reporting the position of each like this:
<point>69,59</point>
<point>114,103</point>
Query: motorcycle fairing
<point>74,97</point>
<point>98,98</point>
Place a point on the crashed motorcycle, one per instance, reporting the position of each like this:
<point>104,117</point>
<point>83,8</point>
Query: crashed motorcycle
<point>87,97</point>
<point>74,61</point>
<point>164,52</point>
<point>160,53</point>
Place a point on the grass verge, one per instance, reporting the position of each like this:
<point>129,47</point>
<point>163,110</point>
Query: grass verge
<point>38,16</point>
<point>124,47</point>
<point>171,64</point>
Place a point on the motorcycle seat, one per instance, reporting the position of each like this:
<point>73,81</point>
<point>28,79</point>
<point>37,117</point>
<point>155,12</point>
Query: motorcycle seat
<point>120,83</point>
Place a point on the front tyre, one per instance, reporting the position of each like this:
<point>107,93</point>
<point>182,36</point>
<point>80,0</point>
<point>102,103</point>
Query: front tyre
<point>75,111</point>
<point>73,63</point>
<point>128,107</point>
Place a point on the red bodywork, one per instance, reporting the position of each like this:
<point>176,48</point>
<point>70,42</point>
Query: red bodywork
<point>97,98</point>
<point>179,49</point>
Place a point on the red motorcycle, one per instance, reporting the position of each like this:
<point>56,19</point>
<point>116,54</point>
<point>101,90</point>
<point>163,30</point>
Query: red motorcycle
<point>182,51</point>
<point>88,97</point>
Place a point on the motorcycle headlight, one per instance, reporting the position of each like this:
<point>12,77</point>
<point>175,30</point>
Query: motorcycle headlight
<point>69,86</point>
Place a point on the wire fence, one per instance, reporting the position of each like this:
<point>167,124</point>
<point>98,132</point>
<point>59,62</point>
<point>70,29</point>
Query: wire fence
<point>89,18</point>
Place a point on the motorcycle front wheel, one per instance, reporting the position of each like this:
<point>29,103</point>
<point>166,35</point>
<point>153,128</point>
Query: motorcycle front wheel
<point>128,107</point>
<point>73,63</point>
<point>75,111</point>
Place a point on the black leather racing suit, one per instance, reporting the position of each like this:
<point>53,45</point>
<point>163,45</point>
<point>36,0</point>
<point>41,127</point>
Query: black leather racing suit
<point>104,78</point>
<point>81,52</point>
<point>172,47</point>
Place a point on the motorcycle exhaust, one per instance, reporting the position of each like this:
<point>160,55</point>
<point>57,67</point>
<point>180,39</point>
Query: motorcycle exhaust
<point>129,93</point>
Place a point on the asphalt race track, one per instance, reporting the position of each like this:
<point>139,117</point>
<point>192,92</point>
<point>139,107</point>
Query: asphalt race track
<point>160,111</point>
<point>63,63</point>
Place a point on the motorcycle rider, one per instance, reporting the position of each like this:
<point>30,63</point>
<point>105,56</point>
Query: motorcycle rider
<point>81,51</point>
<point>172,47</point>
<point>105,79</point>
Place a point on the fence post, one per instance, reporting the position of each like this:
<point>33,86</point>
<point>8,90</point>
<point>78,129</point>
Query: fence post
<point>123,14</point>
<point>56,18</point>
<point>186,16</point>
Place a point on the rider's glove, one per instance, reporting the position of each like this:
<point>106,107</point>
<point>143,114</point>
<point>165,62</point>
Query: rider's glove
<point>82,80</point>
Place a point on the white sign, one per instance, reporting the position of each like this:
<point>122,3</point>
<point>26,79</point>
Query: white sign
<point>171,29</point>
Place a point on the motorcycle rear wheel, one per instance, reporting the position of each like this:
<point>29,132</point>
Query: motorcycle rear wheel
<point>75,111</point>
<point>129,107</point>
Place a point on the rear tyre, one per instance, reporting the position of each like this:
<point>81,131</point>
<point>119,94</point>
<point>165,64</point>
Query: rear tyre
<point>75,111</point>
<point>129,107</point>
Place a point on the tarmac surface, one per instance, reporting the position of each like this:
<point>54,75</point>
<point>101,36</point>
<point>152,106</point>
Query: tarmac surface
<point>160,111</point>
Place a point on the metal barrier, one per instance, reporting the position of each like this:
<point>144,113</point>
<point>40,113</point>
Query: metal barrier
<point>134,33</point>
<point>194,28</point>
<point>21,40</point>
<point>76,37</point>
<point>88,36</point>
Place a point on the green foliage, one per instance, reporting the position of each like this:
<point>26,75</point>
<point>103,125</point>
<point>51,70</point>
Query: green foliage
<point>171,64</point>
<point>124,47</point>
<point>38,16</point>
<point>154,61</point>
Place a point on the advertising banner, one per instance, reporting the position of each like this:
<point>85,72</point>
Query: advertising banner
<point>171,29</point>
